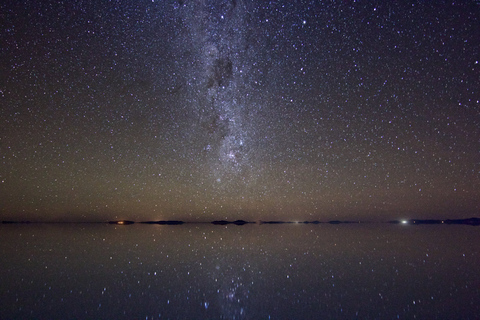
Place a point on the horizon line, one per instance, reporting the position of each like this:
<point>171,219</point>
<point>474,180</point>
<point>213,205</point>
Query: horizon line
<point>467,221</point>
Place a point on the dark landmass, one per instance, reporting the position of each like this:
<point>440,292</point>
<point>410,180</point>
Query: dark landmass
<point>240,222</point>
<point>220,222</point>
<point>334,222</point>
<point>418,221</point>
<point>309,222</point>
<point>274,222</point>
<point>225,222</point>
<point>469,221</point>
<point>165,222</point>
<point>340,222</point>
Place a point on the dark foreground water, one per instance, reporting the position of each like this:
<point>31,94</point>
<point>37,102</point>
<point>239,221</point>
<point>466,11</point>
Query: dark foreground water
<point>202,271</point>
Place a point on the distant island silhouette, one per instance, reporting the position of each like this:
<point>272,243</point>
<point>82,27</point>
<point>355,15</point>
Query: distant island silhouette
<point>469,221</point>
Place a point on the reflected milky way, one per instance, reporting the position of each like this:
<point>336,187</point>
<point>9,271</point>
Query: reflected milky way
<point>293,271</point>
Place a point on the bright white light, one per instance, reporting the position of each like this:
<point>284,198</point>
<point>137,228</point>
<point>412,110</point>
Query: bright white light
<point>404,221</point>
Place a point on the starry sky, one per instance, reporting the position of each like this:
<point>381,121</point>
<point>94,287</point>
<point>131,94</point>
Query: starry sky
<point>240,109</point>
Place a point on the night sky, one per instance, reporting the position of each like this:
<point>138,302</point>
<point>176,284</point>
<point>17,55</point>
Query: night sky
<point>255,110</point>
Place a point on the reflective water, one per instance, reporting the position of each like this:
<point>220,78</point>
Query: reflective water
<point>202,271</point>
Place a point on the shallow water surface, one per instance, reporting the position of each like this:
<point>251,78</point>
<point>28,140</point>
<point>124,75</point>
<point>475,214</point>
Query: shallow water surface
<point>202,271</point>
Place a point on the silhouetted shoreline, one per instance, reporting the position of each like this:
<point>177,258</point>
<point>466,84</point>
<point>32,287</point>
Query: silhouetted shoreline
<point>225,222</point>
<point>469,221</point>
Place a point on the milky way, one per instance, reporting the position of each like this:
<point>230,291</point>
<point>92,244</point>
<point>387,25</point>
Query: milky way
<point>218,31</point>
<point>199,110</point>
